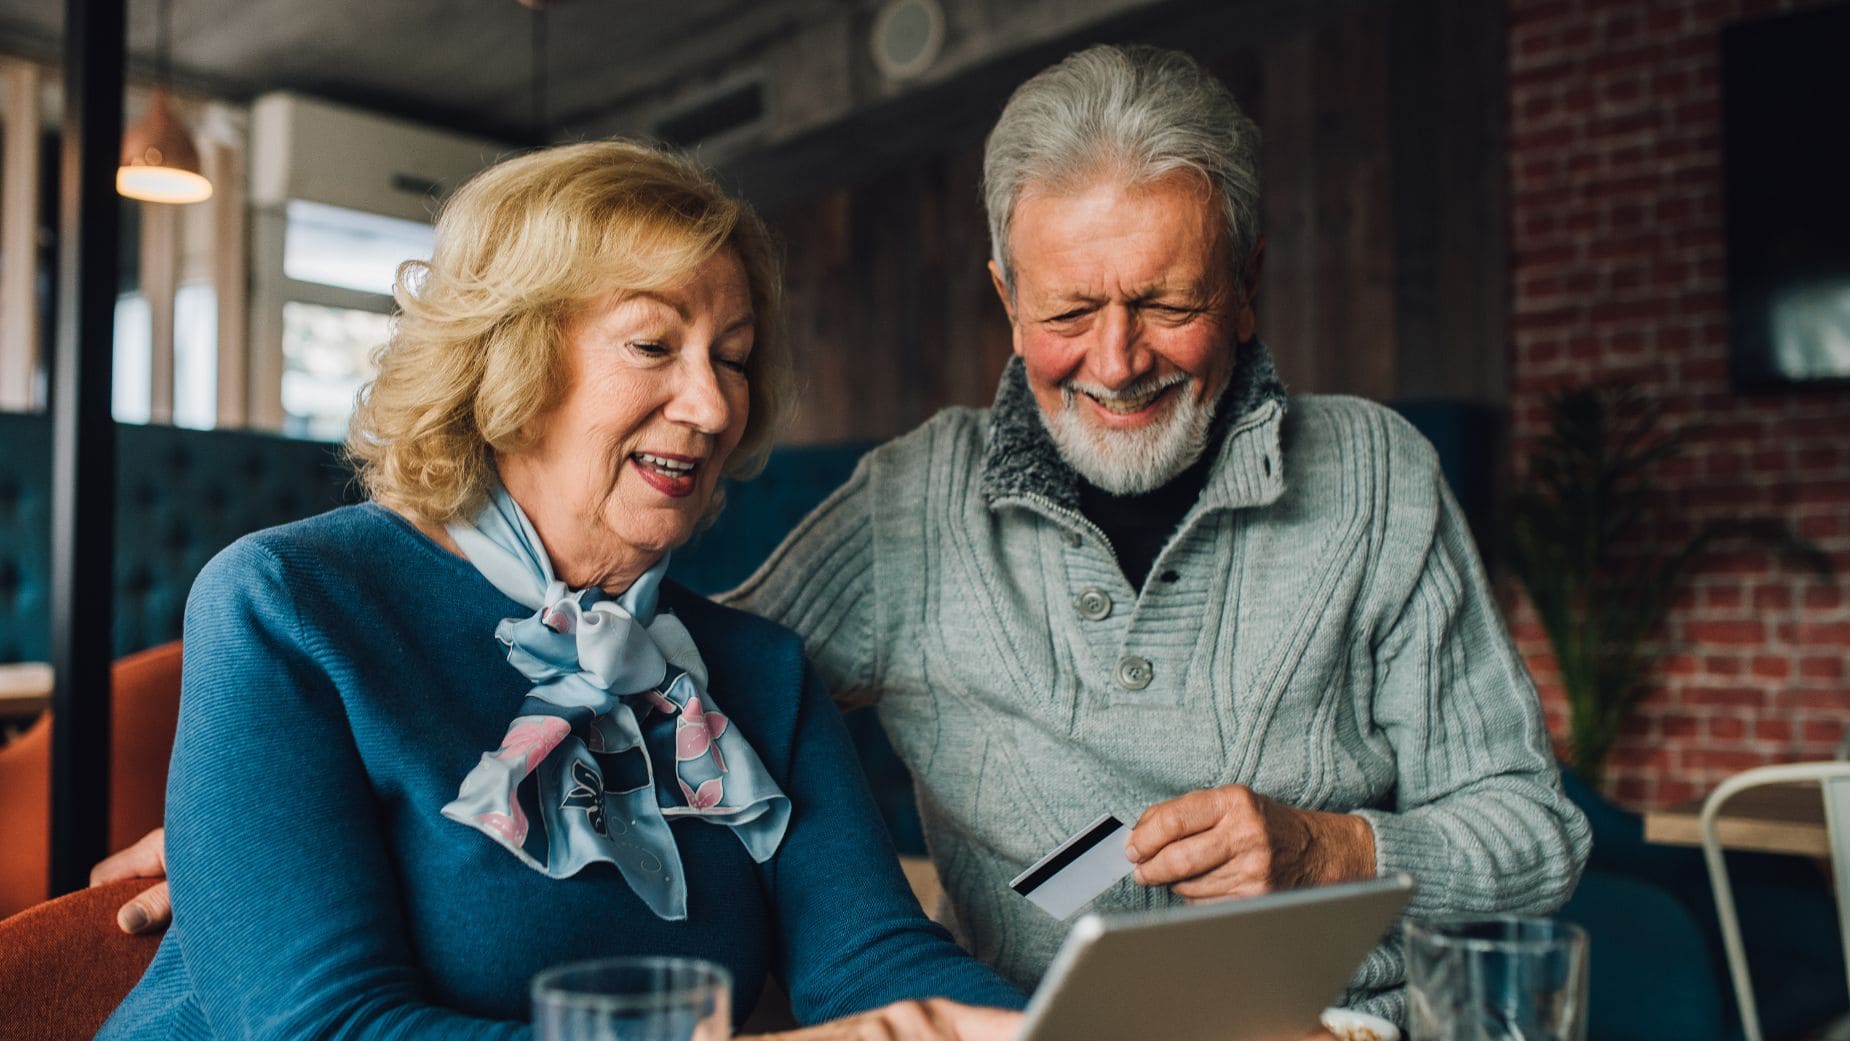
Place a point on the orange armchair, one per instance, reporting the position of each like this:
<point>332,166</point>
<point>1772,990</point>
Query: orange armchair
<point>145,707</point>
<point>64,966</point>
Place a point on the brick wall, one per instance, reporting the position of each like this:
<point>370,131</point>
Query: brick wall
<point>1618,273</point>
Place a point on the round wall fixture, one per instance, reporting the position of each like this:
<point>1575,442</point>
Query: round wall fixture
<point>907,36</point>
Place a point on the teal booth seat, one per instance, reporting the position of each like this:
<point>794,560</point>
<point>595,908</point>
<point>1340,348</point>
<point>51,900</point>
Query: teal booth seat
<point>181,496</point>
<point>1652,971</point>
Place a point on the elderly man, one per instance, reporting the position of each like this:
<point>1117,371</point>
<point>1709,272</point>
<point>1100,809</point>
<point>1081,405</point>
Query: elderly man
<point>1147,582</point>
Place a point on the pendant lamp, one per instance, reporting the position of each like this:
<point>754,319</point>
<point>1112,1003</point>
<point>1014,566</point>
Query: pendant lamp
<point>159,160</point>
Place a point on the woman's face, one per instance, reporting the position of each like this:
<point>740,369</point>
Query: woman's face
<point>656,399</point>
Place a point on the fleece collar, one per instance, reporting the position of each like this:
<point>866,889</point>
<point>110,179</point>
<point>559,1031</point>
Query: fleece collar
<point>1021,464</point>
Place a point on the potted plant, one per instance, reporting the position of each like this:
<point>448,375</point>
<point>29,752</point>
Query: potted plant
<point>1585,542</point>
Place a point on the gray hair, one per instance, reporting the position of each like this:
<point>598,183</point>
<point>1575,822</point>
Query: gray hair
<point>1136,113</point>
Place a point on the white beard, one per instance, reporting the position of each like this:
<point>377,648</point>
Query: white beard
<point>1131,462</point>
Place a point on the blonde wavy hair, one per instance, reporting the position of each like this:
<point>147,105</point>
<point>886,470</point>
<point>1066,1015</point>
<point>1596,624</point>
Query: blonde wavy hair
<point>475,354</point>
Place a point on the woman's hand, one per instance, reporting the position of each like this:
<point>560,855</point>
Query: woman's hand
<point>1232,841</point>
<point>152,911</point>
<point>935,1019</point>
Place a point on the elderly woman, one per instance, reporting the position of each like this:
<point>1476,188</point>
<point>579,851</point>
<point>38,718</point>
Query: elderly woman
<point>432,744</point>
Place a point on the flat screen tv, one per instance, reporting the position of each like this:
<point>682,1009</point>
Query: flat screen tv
<point>1786,153</point>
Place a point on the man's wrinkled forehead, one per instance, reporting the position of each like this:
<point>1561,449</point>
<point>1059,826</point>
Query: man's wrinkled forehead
<point>1083,251</point>
<point>1077,185</point>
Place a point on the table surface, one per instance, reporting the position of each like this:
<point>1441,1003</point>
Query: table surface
<point>1779,818</point>
<point>25,688</point>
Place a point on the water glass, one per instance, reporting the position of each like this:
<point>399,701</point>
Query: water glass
<point>1496,979</point>
<point>633,999</point>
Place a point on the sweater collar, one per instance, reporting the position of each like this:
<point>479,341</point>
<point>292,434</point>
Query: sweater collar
<point>1021,464</point>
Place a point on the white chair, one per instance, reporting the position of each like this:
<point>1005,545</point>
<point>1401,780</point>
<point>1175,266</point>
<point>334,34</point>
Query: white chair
<point>1834,778</point>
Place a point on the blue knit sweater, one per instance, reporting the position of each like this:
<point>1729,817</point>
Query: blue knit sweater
<point>341,677</point>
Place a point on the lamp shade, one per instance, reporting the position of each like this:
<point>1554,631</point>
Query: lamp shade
<point>159,161</point>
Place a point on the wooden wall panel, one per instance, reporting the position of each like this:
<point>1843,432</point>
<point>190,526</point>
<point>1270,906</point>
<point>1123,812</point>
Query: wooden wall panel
<point>890,310</point>
<point>1382,209</point>
<point>1326,303</point>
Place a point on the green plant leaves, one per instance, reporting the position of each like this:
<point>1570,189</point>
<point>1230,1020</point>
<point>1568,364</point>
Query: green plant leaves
<point>1585,540</point>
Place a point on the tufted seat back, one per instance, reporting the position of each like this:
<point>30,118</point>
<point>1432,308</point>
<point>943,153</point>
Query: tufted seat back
<point>181,496</point>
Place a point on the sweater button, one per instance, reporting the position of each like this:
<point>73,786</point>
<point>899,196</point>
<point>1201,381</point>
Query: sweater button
<point>1093,604</point>
<point>1073,539</point>
<point>1134,673</point>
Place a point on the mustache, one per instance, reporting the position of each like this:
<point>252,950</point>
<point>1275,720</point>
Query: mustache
<point>1148,385</point>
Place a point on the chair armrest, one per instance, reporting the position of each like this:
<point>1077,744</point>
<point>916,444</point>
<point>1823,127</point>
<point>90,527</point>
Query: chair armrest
<point>64,966</point>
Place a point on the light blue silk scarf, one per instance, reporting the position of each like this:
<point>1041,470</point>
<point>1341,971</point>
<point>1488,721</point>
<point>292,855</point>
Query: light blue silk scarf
<point>575,750</point>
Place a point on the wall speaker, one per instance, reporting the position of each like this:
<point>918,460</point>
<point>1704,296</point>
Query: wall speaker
<point>906,38</point>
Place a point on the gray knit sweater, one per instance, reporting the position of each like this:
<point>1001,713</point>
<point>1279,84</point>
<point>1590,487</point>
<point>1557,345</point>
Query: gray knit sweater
<point>1318,627</point>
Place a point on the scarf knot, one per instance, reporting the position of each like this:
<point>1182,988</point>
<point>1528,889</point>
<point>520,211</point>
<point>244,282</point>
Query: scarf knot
<point>574,758</point>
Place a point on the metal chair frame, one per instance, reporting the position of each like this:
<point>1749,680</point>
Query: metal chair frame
<point>1834,779</point>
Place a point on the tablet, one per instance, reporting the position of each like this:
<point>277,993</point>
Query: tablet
<point>1259,969</point>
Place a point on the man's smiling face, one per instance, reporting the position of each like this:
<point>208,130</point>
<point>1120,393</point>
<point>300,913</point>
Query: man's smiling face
<point>1126,316</point>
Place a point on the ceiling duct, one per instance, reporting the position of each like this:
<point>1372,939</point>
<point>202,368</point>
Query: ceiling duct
<point>715,119</point>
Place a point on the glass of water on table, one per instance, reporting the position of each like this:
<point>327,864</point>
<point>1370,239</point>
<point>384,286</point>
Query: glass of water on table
<point>633,999</point>
<point>1496,979</point>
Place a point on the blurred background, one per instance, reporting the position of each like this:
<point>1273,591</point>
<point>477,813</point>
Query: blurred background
<point>1473,209</point>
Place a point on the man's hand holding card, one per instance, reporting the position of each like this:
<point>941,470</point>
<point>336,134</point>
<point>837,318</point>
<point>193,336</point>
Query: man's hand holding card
<point>1211,844</point>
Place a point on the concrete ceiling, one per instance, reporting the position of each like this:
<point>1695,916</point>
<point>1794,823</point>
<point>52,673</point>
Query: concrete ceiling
<point>623,66</point>
<point>465,64</point>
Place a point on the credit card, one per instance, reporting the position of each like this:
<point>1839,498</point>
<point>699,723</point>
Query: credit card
<point>1077,870</point>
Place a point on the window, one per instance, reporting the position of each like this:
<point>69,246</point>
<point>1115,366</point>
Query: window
<point>195,356</point>
<point>327,357</point>
<point>131,380</point>
<point>337,269</point>
<point>333,246</point>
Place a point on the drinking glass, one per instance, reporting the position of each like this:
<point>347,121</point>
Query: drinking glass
<point>633,999</point>
<point>1496,979</point>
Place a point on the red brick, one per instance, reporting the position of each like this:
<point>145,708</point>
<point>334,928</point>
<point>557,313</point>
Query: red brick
<point>1669,793</point>
<point>1707,370</point>
<point>1823,731</point>
<point>1717,759</point>
<point>1624,90</point>
<point>1739,633</point>
<point>1679,724</point>
<point>1819,526</point>
<point>1825,492</point>
<point>1819,457</point>
<point>1657,697</point>
<point>1733,697</point>
<point>1727,728</point>
<point>1664,20</point>
<point>1773,729</point>
<point>1827,700</point>
<point>1753,563</point>
<point>1772,598</point>
<point>1724,665</point>
<point>1724,597</point>
<point>1833,633</point>
<point>1822,667</point>
<point>1770,668</point>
